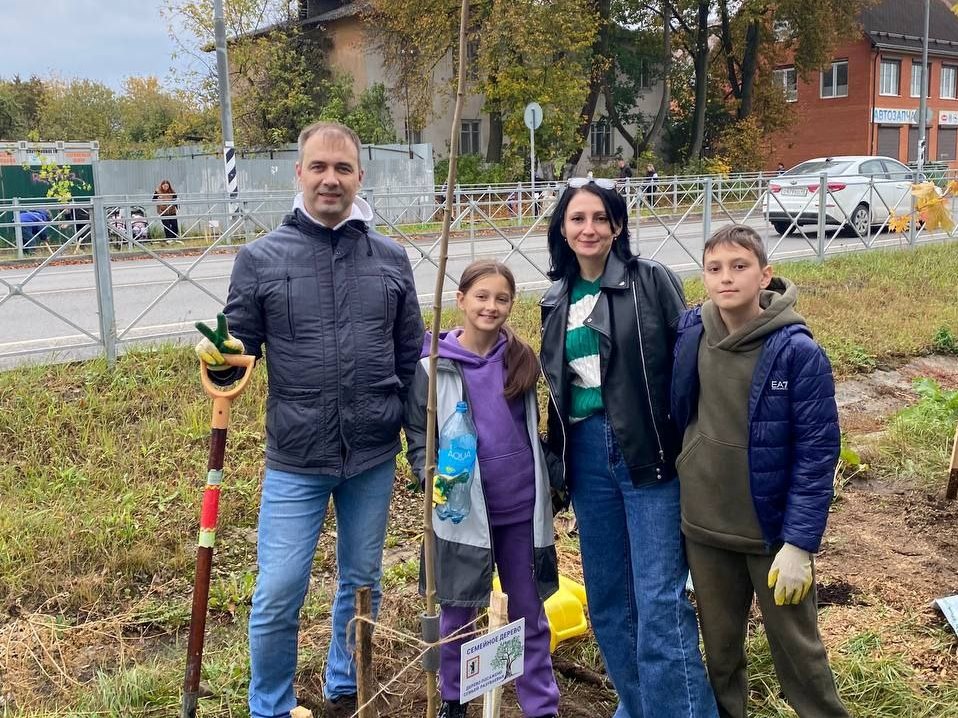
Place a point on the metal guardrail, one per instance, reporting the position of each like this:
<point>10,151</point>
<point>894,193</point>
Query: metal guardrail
<point>107,274</point>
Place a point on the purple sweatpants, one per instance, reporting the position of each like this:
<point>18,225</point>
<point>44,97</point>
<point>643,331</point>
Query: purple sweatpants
<point>536,687</point>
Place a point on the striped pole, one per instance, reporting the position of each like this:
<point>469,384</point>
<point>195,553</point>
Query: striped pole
<point>229,162</point>
<point>209,514</point>
<point>226,104</point>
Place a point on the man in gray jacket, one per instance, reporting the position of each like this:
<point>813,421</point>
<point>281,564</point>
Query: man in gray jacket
<point>335,305</point>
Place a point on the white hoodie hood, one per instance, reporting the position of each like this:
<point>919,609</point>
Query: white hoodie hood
<point>361,210</point>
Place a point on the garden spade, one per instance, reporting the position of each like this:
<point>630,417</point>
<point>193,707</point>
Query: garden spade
<point>222,400</point>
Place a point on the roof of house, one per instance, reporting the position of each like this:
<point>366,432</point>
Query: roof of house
<point>899,25</point>
<point>343,11</point>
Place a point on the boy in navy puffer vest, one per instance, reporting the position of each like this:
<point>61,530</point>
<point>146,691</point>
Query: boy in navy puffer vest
<point>754,397</point>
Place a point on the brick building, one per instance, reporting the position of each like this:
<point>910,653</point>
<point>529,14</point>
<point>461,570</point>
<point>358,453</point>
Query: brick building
<point>866,101</point>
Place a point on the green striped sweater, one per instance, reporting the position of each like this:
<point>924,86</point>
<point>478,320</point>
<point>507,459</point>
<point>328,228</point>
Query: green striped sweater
<point>582,352</point>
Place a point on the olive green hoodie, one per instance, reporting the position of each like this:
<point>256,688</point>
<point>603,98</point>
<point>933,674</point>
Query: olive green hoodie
<point>717,507</point>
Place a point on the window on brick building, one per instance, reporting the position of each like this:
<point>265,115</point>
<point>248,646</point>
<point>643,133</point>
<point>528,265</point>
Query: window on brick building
<point>949,82</point>
<point>916,74</point>
<point>786,77</point>
<point>890,77</point>
<point>835,80</point>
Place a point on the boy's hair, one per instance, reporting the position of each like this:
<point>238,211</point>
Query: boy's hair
<point>741,235</point>
<point>521,362</point>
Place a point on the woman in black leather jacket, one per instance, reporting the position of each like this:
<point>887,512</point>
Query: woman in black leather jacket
<point>608,328</point>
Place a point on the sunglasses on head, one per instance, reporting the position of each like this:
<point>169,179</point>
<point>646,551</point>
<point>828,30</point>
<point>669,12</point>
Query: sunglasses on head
<point>603,182</point>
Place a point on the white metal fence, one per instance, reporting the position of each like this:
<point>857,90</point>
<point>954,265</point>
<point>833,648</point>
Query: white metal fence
<point>384,165</point>
<point>106,273</point>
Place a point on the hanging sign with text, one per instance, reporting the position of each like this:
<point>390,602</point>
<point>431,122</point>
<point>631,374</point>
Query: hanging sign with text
<point>491,660</point>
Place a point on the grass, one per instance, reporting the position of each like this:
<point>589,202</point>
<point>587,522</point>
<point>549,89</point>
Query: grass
<point>917,445</point>
<point>876,307</point>
<point>872,681</point>
<point>100,491</point>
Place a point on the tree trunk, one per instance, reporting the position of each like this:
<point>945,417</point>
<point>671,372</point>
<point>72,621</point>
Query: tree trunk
<point>600,53</point>
<point>614,115</point>
<point>701,80</point>
<point>729,51</point>
<point>652,136</point>
<point>753,37</point>
<point>494,149</point>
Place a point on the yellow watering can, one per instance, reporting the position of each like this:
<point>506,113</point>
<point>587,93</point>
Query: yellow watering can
<point>565,610</point>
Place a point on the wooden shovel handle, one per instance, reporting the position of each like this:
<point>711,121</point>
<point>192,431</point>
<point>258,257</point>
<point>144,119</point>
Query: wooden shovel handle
<point>214,392</point>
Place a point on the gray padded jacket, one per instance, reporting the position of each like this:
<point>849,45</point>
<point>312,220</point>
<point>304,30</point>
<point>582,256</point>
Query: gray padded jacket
<point>464,558</point>
<point>338,314</point>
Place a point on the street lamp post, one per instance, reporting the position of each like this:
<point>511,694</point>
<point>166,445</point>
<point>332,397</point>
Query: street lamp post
<point>226,107</point>
<point>923,102</point>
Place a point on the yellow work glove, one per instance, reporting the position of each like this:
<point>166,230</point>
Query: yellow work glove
<point>790,575</point>
<point>214,344</point>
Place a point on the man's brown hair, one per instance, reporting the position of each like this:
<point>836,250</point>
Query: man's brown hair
<point>330,128</point>
<point>741,235</point>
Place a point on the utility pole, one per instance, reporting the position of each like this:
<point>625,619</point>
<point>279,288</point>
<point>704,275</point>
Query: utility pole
<point>226,106</point>
<point>923,102</point>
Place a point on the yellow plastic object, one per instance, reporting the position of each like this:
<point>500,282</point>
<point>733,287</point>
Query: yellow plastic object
<point>565,610</point>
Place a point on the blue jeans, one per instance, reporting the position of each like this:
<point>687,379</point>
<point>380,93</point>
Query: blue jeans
<point>635,571</point>
<point>292,510</point>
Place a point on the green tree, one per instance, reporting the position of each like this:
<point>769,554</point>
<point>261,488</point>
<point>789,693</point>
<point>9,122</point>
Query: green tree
<point>28,94</point>
<point>520,51</point>
<point>369,117</point>
<point>145,115</point>
<point>276,70</point>
<point>755,34</point>
<point>641,59</point>
<point>80,110</point>
<point>12,125</point>
<point>538,51</point>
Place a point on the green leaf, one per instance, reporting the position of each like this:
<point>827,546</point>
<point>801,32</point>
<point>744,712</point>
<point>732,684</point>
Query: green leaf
<point>850,457</point>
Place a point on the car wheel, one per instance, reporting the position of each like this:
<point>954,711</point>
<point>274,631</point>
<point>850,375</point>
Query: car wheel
<point>781,227</point>
<point>860,221</point>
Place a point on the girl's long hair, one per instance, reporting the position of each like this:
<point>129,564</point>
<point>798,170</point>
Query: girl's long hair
<point>562,260</point>
<point>521,362</point>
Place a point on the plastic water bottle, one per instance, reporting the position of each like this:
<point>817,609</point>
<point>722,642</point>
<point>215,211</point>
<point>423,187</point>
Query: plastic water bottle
<point>457,460</point>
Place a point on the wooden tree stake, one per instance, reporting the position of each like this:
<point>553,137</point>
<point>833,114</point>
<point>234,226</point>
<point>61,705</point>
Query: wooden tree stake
<point>952,493</point>
<point>498,617</point>
<point>365,676</point>
<point>432,694</point>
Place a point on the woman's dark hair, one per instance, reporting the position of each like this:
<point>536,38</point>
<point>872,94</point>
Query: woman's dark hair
<point>521,362</point>
<point>562,260</point>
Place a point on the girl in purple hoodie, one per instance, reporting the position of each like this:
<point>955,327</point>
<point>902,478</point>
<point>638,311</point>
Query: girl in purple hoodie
<point>510,524</point>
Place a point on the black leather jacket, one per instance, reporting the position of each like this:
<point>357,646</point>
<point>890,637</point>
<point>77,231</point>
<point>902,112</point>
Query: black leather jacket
<point>636,318</point>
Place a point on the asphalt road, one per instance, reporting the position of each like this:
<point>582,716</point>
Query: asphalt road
<point>56,316</point>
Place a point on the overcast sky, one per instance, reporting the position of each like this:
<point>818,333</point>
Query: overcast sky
<point>104,40</point>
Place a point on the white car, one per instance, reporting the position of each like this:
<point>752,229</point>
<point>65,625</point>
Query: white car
<point>861,192</point>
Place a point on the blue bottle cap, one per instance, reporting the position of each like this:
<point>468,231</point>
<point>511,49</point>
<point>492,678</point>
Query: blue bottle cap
<point>462,407</point>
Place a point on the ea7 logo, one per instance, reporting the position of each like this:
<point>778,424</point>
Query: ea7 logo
<point>778,385</point>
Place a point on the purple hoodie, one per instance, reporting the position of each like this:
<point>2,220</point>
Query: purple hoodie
<point>506,463</point>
